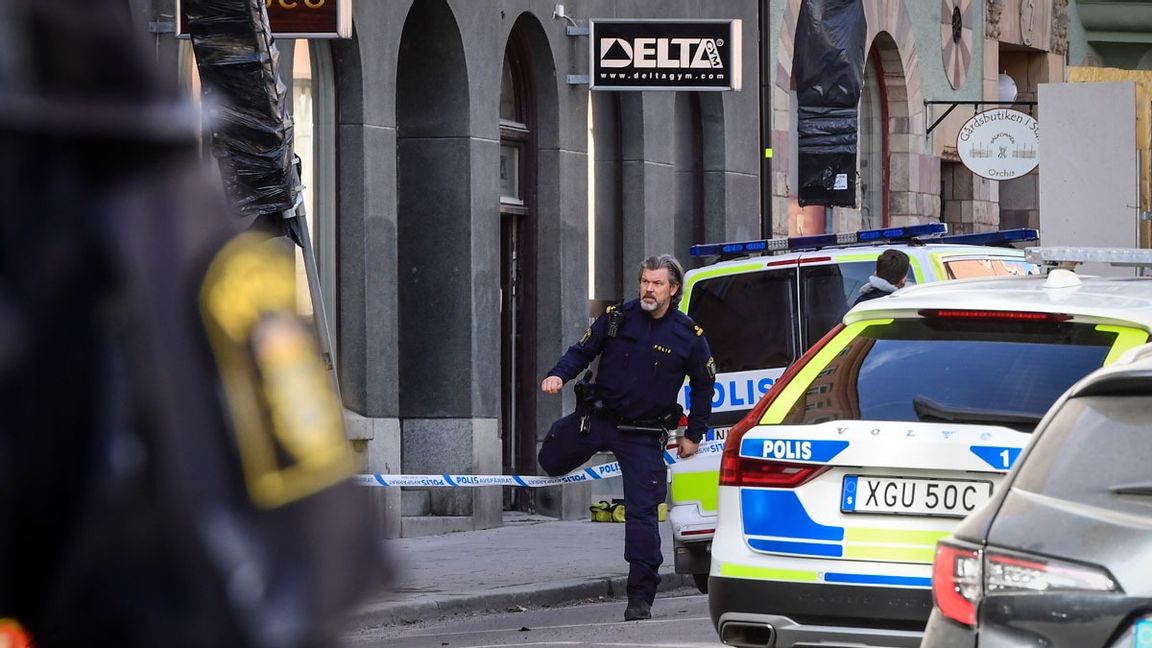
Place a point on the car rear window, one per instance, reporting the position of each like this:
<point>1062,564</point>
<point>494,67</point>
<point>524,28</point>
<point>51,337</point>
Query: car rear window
<point>827,292</point>
<point>1091,447</point>
<point>960,371</point>
<point>748,318</point>
<point>751,319</point>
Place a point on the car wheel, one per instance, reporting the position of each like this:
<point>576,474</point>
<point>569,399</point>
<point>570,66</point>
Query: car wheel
<point>701,582</point>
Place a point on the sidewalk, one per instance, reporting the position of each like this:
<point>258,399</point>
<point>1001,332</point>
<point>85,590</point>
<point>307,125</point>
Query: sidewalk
<point>530,561</point>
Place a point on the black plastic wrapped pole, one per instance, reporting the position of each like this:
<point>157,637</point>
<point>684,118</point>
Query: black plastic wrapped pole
<point>828,69</point>
<point>245,104</point>
<point>251,128</point>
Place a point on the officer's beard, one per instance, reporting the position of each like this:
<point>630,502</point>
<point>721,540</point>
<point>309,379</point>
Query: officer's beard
<point>650,306</point>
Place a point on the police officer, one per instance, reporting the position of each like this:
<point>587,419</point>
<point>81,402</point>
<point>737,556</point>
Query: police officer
<point>646,348</point>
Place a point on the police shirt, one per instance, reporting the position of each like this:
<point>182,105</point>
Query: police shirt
<point>642,368</point>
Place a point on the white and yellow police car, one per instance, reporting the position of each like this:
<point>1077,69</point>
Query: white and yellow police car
<point>762,310</point>
<point>872,446</point>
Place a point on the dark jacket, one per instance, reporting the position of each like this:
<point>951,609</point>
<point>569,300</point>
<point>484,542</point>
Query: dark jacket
<point>642,369</point>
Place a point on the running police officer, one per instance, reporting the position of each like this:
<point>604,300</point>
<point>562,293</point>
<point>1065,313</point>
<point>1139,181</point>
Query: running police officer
<point>646,348</point>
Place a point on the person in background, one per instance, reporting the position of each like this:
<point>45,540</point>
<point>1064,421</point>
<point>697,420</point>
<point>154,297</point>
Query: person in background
<point>891,275</point>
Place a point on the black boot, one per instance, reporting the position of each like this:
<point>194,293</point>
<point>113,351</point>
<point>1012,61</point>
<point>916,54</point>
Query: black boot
<point>637,610</point>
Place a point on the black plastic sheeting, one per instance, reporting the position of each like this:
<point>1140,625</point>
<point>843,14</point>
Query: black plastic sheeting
<point>828,69</point>
<point>251,128</point>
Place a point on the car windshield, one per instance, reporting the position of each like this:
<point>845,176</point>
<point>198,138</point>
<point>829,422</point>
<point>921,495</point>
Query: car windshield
<point>958,371</point>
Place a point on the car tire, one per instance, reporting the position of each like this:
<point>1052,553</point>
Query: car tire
<point>701,582</point>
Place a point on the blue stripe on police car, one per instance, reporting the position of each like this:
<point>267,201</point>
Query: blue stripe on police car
<point>792,449</point>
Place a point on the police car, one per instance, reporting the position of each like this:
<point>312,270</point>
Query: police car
<point>761,312</point>
<point>894,426</point>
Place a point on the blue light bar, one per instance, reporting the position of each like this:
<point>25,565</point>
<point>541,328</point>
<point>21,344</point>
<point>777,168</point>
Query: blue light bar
<point>993,238</point>
<point>818,241</point>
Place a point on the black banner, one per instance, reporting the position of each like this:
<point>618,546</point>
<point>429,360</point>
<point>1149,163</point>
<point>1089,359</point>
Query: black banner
<point>665,55</point>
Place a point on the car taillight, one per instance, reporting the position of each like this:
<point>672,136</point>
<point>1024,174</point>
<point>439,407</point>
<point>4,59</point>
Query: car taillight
<point>962,576</point>
<point>1010,573</point>
<point>731,464</point>
<point>775,474</point>
<point>956,582</point>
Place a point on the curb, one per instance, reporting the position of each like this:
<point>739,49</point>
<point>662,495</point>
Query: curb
<point>381,614</point>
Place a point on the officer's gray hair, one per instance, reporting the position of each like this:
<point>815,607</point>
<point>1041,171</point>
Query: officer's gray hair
<point>675,272</point>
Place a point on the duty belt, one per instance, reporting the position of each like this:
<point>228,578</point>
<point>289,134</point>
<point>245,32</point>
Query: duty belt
<point>626,424</point>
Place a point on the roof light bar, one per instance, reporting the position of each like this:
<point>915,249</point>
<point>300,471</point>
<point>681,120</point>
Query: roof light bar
<point>993,238</point>
<point>1017,316</point>
<point>1131,257</point>
<point>817,241</point>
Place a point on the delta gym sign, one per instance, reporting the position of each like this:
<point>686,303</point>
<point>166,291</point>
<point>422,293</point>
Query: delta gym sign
<point>664,54</point>
<point>999,144</point>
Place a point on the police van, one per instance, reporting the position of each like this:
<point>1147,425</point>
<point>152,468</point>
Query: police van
<point>901,421</point>
<point>764,302</point>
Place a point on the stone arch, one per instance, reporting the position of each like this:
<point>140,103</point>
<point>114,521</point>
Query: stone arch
<point>434,229</point>
<point>529,241</point>
<point>914,175</point>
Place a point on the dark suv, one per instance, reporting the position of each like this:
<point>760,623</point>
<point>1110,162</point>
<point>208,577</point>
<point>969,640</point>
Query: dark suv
<point>1062,555</point>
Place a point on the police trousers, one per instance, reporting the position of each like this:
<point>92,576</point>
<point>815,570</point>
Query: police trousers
<point>641,457</point>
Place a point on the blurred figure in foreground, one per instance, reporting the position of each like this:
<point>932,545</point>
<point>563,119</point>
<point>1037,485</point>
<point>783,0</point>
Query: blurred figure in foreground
<point>172,457</point>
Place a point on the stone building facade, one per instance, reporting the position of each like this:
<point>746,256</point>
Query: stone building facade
<point>471,205</point>
<point>929,67</point>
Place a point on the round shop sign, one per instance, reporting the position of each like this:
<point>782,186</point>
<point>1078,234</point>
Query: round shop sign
<point>999,144</point>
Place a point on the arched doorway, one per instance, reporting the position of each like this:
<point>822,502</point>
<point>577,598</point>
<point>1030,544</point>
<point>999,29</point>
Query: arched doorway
<point>529,213</point>
<point>872,151</point>
<point>518,168</point>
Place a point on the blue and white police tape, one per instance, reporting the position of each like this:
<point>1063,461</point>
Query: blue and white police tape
<point>603,471</point>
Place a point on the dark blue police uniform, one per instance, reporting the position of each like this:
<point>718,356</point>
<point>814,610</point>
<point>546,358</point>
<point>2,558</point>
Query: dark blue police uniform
<point>642,368</point>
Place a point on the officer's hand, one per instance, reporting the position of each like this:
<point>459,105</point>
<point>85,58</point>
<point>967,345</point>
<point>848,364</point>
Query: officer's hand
<point>552,385</point>
<point>687,447</point>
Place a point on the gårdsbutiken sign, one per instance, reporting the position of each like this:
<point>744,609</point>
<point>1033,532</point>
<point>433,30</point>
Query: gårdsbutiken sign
<point>999,144</point>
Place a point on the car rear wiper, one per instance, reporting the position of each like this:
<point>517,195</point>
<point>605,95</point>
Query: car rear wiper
<point>1139,488</point>
<point>930,411</point>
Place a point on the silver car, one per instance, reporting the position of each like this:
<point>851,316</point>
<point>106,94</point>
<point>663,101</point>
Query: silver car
<point>1062,555</point>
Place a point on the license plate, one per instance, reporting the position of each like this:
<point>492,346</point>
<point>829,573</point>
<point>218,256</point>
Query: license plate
<point>1143,638</point>
<point>907,496</point>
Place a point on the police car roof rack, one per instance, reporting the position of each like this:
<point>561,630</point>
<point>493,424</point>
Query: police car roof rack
<point>817,241</point>
<point>1070,256</point>
<point>1002,238</point>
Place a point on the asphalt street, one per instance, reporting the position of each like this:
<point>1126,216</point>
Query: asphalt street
<point>531,561</point>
